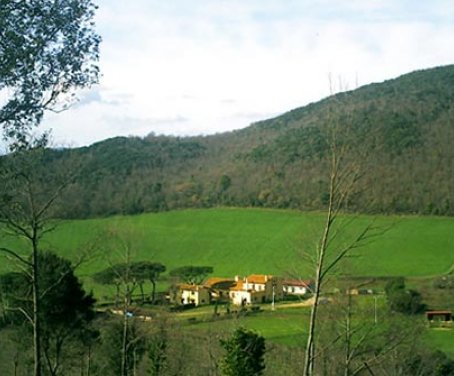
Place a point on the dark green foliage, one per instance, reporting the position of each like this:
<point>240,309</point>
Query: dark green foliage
<point>47,49</point>
<point>406,301</point>
<point>402,300</point>
<point>107,276</point>
<point>136,273</point>
<point>395,285</point>
<point>66,310</point>
<point>442,365</point>
<point>296,144</point>
<point>401,133</point>
<point>12,286</point>
<point>121,154</point>
<point>224,183</point>
<point>65,305</point>
<point>244,355</point>
<point>192,274</point>
<point>148,271</point>
<point>433,363</point>
<point>445,282</point>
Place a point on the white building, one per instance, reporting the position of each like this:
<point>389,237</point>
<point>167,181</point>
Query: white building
<point>297,286</point>
<point>256,288</point>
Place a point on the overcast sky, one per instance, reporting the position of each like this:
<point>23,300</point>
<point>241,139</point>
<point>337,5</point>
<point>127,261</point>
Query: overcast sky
<point>186,67</point>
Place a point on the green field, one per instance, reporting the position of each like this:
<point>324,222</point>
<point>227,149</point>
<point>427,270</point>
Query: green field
<point>288,326</point>
<point>285,326</point>
<point>246,241</point>
<point>442,339</point>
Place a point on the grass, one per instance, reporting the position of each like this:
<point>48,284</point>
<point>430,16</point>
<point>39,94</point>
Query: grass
<point>287,326</point>
<point>442,339</point>
<point>246,241</point>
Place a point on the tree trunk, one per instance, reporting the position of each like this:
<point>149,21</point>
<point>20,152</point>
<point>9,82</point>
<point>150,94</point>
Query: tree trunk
<point>309,352</point>
<point>348,338</point>
<point>36,309</point>
<point>153,290</point>
<point>117,295</point>
<point>124,347</point>
<point>141,292</point>
<point>309,355</point>
<point>16,362</point>
<point>89,361</point>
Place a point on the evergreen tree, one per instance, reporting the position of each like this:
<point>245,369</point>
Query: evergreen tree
<point>244,356</point>
<point>66,309</point>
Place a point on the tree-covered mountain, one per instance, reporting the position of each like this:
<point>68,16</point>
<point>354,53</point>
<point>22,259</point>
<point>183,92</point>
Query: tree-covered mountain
<point>405,123</point>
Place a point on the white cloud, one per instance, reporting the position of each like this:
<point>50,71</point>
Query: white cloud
<point>214,64</point>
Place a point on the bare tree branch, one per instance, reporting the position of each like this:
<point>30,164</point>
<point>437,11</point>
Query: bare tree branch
<point>15,255</point>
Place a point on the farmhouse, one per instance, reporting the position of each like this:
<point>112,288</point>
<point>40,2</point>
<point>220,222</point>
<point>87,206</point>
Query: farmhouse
<point>297,286</point>
<point>445,316</point>
<point>192,294</point>
<point>219,288</point>
<point>253,289</point>
<point>256,288</point>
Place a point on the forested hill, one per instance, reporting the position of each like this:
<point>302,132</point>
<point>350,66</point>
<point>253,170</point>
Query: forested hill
<point>279,162</point>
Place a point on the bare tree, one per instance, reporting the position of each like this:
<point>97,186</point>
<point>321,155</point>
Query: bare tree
<point>352,342</point>
<point>24,214</point>
<point>28,193</point>
<point>346,162</point>
<point>47,49</point>
<point>121,243</point>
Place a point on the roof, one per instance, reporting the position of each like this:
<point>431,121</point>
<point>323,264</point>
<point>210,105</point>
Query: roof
<point>239,286</point>
<point>258,278</point>
<point>188,287</point>
<point>219,282</point>
<point>297,282</point>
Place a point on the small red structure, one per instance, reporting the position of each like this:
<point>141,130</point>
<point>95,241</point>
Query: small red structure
<point>439,315</point>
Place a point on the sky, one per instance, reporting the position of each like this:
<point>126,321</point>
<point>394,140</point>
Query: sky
<point>199,67</point>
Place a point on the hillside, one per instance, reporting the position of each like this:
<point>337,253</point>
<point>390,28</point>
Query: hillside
<point>406,124</point>
<point>247,241</point>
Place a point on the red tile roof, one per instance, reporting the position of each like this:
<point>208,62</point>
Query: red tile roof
<point>239,286</point>
<point>297,282</point>
<point>212,282</point>
<point>258,278</point>
<point>188,287</point>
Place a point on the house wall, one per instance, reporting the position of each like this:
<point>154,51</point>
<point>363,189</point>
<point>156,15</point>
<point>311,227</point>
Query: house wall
<point>238,297</point>
<point>295,290</point>
<point>198,297</point>
<point>254,286</point>
<point>278,289</point>
<point>253,293</point>
<point>248,297</point>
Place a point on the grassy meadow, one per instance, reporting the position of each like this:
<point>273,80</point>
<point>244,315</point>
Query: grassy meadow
<point>287,326</point>
<point>246,241</point>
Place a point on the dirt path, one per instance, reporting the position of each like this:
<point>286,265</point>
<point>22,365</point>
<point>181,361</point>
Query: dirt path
<point>190,313</point>
<point>305,303</point>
